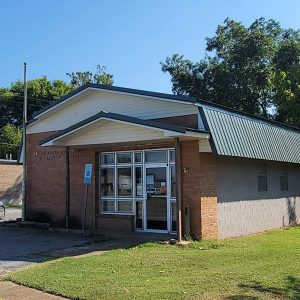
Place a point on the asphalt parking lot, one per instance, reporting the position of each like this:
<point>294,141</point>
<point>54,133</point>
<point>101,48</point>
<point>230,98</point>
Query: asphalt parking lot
<point>20,247</point>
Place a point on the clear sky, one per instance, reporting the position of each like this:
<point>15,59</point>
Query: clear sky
<point>129,37</point>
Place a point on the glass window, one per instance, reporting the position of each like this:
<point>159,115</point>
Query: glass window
<point>284,181</point>
<point>156,156</point>
<point>107,158</point>
<point>108,205</point>
<point>124,158</point>
<point>138,157</point>
<point>125,206</point>
<point>174,216</point>
<point>138,182</point>
<point>173,181</point>
<point>139,215</point>
<point>124,181</point>
<point>156,183</point>
<point>107,179</point>
<point>172,155</point>
<point>262,183</point>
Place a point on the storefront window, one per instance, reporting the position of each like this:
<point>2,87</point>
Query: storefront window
<point>108,205</point>
<point>174,216</point>
<point>172,155</point>
<point>156,156</point>
<point>173,181</point>
<point>107,179</point>
<point>125,206</point>
<point>123,177</point>
<point>107,158</point>
<point>124,158</point>
<point>138,182</point>
<point>139,215</point>
<point>124,181</point>
<point>138,157</point>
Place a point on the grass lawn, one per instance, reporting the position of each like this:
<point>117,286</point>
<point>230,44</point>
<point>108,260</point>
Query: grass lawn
<point>13,206</point>
<point>264,266</point>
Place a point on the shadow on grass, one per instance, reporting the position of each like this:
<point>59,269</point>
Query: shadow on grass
<point>291,291</point>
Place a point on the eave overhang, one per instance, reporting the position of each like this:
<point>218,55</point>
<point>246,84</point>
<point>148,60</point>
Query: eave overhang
<point>168,130</point>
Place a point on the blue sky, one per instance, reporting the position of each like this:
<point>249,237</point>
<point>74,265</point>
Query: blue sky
<point>129,37</point>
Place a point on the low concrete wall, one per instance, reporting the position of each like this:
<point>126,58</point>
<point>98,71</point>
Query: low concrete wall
<point>10,182</point>
<point>242,209</point>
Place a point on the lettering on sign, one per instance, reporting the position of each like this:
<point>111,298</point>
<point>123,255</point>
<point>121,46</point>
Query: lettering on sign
<point>75,152</point>
<point>57,154</point>
<point>50,154</point>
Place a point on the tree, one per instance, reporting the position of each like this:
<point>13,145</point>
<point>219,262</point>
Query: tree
<point>10,138</point>
<point>81,78</point>
<point>287,80</point>
<point>41,92</point>
<point>240,69</point>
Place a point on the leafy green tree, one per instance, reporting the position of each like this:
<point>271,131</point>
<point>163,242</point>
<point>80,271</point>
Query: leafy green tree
<point>242,68</point>
<point>41,92</point>
<point>287,80</point>
<point>81,78</point>
<point>10,138</point>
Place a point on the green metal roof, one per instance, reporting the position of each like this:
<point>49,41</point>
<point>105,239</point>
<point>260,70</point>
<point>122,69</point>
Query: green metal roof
<point>243,136</point>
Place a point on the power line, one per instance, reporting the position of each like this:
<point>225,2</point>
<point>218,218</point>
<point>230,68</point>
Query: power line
<point>48,101</point>
<point>43,100</point>
<point>11,101</point>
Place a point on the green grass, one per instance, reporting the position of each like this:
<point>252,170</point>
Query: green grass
<point>264,266</point>
<point>13,206</point>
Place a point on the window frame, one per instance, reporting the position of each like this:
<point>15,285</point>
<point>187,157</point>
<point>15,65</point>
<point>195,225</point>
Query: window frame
<point>262,174</point>
<point>133,165</point>
<point>284,174</point>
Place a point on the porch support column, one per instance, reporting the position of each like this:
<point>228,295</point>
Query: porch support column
<point>178,189</point>
<point>67,172</point>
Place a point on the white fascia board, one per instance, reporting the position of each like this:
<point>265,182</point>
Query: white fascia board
<point>169,133</point>
<point>188,133</point>
<point>201,135</point>
<point>50,143</point>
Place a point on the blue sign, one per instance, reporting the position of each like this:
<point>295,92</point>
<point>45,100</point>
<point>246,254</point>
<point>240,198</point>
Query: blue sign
<point>88,173</point>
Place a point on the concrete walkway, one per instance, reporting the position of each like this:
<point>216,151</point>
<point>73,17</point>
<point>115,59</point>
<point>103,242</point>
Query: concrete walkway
<point>12,291</point>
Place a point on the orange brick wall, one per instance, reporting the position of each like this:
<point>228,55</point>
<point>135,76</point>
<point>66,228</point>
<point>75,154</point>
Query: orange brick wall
<point>209,218</point>
<point>47,186</point>
<point>199,190</point>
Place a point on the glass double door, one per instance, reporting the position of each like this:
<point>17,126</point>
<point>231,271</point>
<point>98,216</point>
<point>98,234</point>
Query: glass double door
<point>156,201</point>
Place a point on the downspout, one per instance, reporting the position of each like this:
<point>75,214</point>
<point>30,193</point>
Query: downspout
<point>67,187</point>
<point>178,189</point>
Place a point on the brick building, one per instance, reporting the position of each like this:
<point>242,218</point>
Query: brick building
<point>157,157</point>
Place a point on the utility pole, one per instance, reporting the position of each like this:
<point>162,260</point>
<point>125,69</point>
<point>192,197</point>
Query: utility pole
<point>24,183</point>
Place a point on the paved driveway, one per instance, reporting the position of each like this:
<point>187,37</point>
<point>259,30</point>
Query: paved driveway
<point>11,214</point>
<point>20,247</point>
